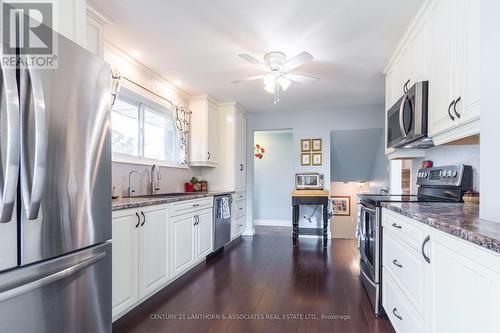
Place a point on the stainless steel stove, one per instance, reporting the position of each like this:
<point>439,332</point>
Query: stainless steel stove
<point>438,184</point>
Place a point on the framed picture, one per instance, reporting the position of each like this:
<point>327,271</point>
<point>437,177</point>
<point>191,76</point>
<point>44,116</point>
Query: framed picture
<point>305,159</point>
<point>317,144</point>
<point>317,159</point>
<point>341,205</point>
<point>305,145</point>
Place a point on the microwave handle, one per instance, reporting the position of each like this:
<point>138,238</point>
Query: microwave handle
<point>401,115</point>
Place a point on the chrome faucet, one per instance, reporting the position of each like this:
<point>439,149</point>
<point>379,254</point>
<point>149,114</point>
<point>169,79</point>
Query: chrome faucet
<point>130,190</point>
<point>155,179</point>
<point>384,191</point>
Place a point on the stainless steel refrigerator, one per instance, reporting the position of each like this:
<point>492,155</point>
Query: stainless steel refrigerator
<point>55,200</point>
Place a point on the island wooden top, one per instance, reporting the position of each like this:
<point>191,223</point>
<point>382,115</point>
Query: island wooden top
<point>310,193</point>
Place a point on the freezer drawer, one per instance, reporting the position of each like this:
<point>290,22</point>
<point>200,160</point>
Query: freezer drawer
<point>68,294</point>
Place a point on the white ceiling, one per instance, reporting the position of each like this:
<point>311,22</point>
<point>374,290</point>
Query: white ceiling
<point>197,42</point>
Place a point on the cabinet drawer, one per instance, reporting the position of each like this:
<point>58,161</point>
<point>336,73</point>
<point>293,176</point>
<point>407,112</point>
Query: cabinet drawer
<point>410,232</point>
<point>402,316</point>
<point>406,266</point>
<point>239,208</point>
<point>183,207</point>
<point>239,196</point>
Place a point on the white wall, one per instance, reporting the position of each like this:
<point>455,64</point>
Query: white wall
<point>272,175</point>
<point>308,124</point>
<point>490,115</point>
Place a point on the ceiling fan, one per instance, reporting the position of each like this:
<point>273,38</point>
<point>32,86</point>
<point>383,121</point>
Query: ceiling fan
<point>279,74</point>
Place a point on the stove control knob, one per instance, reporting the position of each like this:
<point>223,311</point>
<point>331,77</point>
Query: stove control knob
<point>448,173</point>
<point>441,173</point>
<point>454,173</point>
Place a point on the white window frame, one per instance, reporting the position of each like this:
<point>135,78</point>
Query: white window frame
<point>143,102</point>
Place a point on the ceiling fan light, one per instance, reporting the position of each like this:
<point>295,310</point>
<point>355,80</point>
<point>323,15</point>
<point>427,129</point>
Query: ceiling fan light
<point>269,80</point>
<point>284,82</point>
<point>269,88</point>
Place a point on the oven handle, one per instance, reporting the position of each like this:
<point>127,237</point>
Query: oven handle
<point>401,116</point>
<point>368,208</point>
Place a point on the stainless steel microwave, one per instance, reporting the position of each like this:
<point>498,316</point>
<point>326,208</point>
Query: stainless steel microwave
<point>309,181</point>
<point>407,120</point>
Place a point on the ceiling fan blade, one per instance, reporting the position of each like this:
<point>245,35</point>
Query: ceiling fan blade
<point>249,78</point>
<point>301,77</point>
<point>298,60</point>
<point>251,59</point>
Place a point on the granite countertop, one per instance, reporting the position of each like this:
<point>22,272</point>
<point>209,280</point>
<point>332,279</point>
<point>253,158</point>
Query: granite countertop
<point>458,219</point>
<point>141,201</point>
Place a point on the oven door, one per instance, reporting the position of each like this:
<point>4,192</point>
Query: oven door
<point>368,242</point>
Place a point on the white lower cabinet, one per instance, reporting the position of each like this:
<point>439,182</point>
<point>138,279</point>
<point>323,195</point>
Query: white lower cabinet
<point>140,254</point>
<point>445,285</point>
<point>153,245</point>
<point>191,235</point>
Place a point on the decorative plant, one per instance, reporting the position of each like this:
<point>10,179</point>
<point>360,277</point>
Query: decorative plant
<point>194,180</point>
<point>258,151</point>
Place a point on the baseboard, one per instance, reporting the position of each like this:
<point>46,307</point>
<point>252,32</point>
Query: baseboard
<point>273,223</point>
<point>248,232</point>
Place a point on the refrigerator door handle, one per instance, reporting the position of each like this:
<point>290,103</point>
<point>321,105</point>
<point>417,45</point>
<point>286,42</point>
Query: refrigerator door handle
<point>49,279</point>
<point>32,197</point>
<point>8,185</point>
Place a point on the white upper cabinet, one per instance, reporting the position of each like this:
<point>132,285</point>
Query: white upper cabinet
<point>95,31</point>
<point>230,174</point>
<point>204,131</point>
<point>442,46</point>
<point>454,97</point>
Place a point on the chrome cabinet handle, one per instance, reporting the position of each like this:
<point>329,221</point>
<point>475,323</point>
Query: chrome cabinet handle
<point>32,196</point>
<point>196,205</point>
<point>241,167</point>
<point>143,218</point>
<point>455,107</point>
<point>208,155</point>
<point>138,219</point>
<point>428,238</point>
<point>8,181</point>
<point>196,220</point>
<point>396,226</point>
<point>396,263</point>
<point>395,312</point>
<point>449,110</point>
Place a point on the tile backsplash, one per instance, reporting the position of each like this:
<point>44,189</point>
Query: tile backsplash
<point>172,179</point>
<point>450,155</point>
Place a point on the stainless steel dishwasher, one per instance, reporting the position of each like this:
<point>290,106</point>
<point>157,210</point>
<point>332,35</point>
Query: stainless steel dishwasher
<point>222,220</point>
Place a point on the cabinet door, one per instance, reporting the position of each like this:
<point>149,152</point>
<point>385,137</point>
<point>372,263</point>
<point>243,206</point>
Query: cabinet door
<point>213,132</point>
<point>125,260</point>
<point>153,260</point>
<point>182,240</point>
<point>467,59</point>
<point>240,153</point>
<point>440,76</point>
<point>418,53</point>
<point>465,286</point>
<point>204,234</point>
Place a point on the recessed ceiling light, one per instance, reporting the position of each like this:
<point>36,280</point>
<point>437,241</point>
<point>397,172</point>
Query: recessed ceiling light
<point>178,83</point>
<point>135,53</point>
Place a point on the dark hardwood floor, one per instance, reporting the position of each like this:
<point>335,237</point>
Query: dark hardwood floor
<point>260,276</point>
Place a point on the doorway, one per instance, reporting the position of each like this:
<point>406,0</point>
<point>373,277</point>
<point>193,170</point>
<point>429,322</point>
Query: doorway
<point>273,178</point>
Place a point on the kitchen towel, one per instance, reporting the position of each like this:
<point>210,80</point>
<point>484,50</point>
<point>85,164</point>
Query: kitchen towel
<point>226,213</point>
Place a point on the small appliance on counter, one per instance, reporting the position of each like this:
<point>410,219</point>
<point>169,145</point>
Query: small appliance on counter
<point>436,184</point>
<point>309,181</point>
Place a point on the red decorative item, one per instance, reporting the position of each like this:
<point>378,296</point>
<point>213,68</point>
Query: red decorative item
<point>427,164</point>
<point>258,151</point>
<point>188,187</point>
